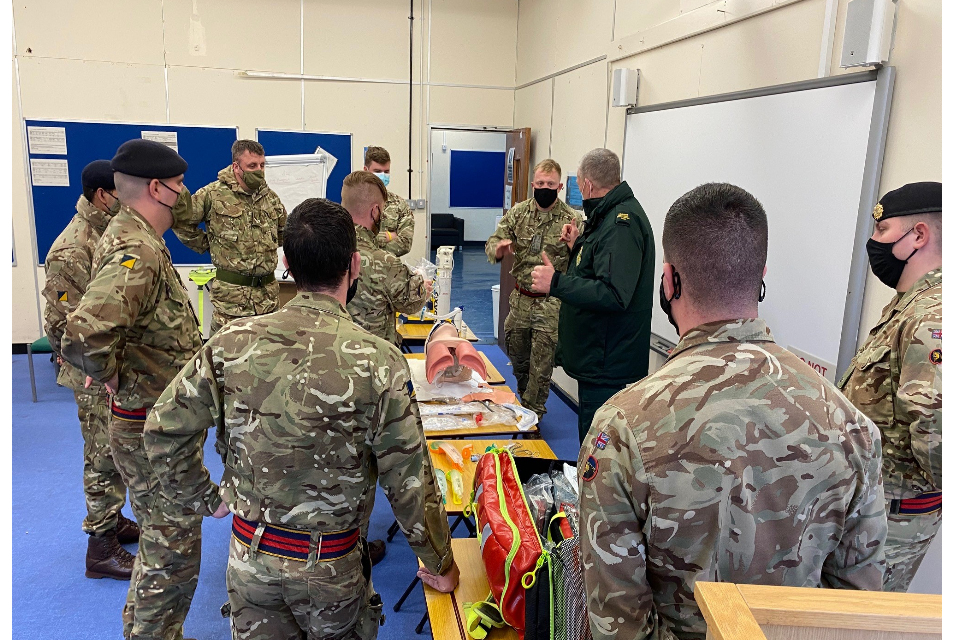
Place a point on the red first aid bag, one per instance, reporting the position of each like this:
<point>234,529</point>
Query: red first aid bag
<point>509,543</point>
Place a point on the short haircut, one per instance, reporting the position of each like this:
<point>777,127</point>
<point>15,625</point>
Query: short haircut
<point>130,188</point>
<point>933,220</point>
<point>319,240</point>
<point>362,188</point>
<point>716,237</point>
<point>89,193</point>
<point>240,146</point>
<point>376,154</point>
<point>549,166</point>
<point>601,167</point>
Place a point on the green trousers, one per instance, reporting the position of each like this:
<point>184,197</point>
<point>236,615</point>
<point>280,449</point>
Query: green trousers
<point>592,396</point>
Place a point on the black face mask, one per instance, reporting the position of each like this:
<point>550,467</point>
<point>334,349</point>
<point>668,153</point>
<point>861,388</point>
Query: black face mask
<point>589,205</point>
<point>665,304</point>
<point>352,290</point>
<point>545,197</point>
<point>886,266</point>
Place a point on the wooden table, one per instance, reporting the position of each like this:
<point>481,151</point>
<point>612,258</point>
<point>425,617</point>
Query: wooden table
<point>493,376</point>
<point>447,619</point>
<point>489,430</point>
<point>521,449</point>
<point>417,333</point>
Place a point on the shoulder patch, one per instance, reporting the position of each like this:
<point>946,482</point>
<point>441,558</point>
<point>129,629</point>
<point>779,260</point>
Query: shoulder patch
<point>936,334</point>
<point>62,296</point>
<point>602,441</point>
<point>590,469</point>
<point>128,261</point>
<point>623,218</point>
<point>410,390</point>
<point>936,356</point>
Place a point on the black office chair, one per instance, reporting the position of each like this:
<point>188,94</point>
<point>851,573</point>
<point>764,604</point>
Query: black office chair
<point>446,230</point>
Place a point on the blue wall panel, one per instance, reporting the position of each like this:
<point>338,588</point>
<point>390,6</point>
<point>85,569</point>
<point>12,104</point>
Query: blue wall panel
<point>206,150</point>
<point>476,179</point>
<point>282,143</point>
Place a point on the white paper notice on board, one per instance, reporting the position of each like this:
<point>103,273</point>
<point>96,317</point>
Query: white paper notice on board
<point>49,173</point>
<point>47,140</point>
<point>168,138</point>
<point>827,369</point>
<point>508,196</point>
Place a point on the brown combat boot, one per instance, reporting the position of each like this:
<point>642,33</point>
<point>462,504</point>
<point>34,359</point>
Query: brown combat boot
<point>107,559</point>
<point>127,530</point>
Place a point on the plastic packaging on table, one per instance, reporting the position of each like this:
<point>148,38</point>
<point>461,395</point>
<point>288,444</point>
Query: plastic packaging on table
<point>454,456</point>
<point>494,414</point>
<point>460,409</point>
<point>441,483</point>
<point>448,423</point>
<point>527,418</point>
<point>456,483</point>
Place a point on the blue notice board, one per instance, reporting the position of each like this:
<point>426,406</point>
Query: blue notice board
<point>476,179</point>
<point>206,150</point>
<point>574,197</point>
<point>283,143</point>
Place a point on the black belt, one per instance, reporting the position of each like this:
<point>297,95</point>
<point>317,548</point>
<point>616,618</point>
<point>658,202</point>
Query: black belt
<point>231,277</point>
<point>919,505</point>
<point>529,294</point>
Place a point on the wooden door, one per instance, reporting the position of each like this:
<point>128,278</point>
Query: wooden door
<point>516,178</point>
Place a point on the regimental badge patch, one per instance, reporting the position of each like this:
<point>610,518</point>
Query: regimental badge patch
<point>590,471</point>
<point>937,334</point>
<point>410,390</point>
<point>623,217</point>
<point>936,356</point>
<point>579,255</point>
<point>128,261</point>
<point>602,441</point>
<point>62,296</point>
<point>878,211</point>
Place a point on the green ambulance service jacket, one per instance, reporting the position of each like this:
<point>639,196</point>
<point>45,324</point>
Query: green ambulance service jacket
<point>606,294</point>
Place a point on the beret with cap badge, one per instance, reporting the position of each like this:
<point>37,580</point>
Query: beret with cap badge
<point>910,199</point>
<point>148,159</point>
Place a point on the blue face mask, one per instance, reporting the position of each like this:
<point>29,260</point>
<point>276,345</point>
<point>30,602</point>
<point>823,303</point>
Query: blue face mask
<point>384,177</point>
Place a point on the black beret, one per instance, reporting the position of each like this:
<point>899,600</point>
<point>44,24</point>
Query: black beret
<point>97,175</point>
<point>910,199</point>
<point>148,159</point>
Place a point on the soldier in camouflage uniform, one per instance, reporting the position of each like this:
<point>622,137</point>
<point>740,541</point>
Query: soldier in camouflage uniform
<point>244,226</point>
<point>896,376</point>
<point>68,266</point>
<point>132,331</point>
<point>528,230</point>
<point>386,285</point>
<point>735,461</point>
<point>310,411</point>
<point>396,222</point>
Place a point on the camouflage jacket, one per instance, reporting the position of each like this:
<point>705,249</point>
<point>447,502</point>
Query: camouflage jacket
<point>532,232</point>
<point>734,462</point>
<point>387,286</point>
<point>68,267</point>
<point>397,218</point>
<point>309,411</point>
<point>243,232</point>
<point>135,316</point>
<point>896,380</point>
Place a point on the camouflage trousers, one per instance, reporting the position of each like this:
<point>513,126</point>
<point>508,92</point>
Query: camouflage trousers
<point>168,559</point>
<point>273,597</point>
<point>232,301</point>
<point>908,538</point>
<point>103,486</point>
<point>530,332</point>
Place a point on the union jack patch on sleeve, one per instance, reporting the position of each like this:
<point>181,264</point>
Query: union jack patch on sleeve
<point>602,440</point>
<point>937,334</point>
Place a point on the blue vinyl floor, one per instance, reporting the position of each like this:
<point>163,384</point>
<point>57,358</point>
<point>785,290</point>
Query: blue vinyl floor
<point>51,596</point>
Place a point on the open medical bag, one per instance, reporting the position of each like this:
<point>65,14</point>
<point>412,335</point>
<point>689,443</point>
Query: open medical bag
<point>529,547</point>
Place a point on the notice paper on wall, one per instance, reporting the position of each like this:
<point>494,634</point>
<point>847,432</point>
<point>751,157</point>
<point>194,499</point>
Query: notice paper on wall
<point>47,140</point>
<point>508,196</point>
<point>49,173</point>
<point>168,138</point>
<point>827,369</point>
<point>510,156</point>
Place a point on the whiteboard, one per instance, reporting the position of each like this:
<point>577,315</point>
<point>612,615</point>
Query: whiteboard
<point>804,155</point>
